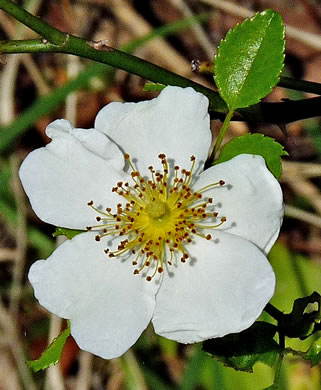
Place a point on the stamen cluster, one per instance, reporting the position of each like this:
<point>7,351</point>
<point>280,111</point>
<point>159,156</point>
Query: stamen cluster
<point>159,216</point>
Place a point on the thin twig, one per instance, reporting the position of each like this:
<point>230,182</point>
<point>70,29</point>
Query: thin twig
<point>73,67</point>
<point>9,74</point>
<point>139,27</point>
<point>84,378</point>
<point>134,371</point>
<point>304,169</point>
<point>302,215</point>
<point>202,38</point>
<point>54,379</point>
<point>10,328</point>
<point>7,254</point>
<point>21,238</point>
<point>9,381</point>
<point>306,189</point>
<point>7,84</point>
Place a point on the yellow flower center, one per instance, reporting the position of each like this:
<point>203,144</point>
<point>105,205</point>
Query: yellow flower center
<point>157,210</point>
<point>159,217</point>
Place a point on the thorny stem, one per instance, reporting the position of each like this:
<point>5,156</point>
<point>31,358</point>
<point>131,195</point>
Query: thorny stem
<point>53,35</point>
<point>300,85</point>
<point>56,41</point>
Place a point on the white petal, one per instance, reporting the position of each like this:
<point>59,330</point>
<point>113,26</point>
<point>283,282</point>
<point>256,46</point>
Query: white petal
<point>221,290</point>
<point>76,167</point>
<point>90,139</point>
<point>108,306</point>
<point>175,123</point>
<point>251,199</point>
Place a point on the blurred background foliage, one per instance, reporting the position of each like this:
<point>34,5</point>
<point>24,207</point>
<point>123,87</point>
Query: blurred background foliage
<point>35,90</point>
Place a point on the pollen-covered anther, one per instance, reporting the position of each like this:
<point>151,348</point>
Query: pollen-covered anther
<point>158,218</point>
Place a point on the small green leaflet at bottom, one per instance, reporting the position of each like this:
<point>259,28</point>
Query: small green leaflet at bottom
<point>266,147</point>
<point>52,354</point>
<point>272,387</point>
<point>313,354</point>
<point>69,233</point>
<point>242,350</point>
<point>151,87</point>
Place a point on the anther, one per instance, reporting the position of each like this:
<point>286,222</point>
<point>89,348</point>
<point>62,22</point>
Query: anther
<point>183,216</point>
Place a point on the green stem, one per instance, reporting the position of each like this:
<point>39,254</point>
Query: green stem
<point>280,113</point>
<point>278,370</point>
<point>44,105</point>
<point>300,85</point>
<point>273,312</point>
<point>59,42</point>
<point>221,134</point>
<point>116,58</point>
<point>36,24</point>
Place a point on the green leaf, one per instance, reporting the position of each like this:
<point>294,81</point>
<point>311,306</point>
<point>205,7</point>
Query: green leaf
<point>151,87</point>
<point>266,147</point>
<point>242,350</point>
<point>69,233</point>
<point>314,352</point>
<point>250,59</point>
<point>52,354</point>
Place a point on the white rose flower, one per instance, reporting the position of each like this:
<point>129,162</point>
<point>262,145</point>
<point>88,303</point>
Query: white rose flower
<point>166,242</point>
